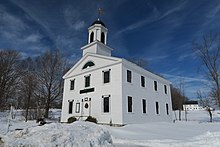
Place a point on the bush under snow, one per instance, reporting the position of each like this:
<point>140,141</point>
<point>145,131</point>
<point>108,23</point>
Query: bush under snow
<point>79,134</point>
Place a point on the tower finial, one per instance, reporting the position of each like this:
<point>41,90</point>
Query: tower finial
<point>100,12</point>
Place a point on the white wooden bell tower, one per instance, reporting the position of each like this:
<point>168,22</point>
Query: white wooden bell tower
<point>97,32</point>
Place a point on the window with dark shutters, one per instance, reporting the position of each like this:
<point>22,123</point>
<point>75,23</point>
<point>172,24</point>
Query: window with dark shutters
<point>87,81</point>
<point>165,89</point>
<point>155,85</point>
<point>144,105</point>
<point>142,81</point>
<point>70,107</point>
<point>106,104</point>
<point>129,76</point>
<point>167,109</point>
<point>106,76</point>
<point>72,84</point>
<point>157,107</point>
<point>129,104</point>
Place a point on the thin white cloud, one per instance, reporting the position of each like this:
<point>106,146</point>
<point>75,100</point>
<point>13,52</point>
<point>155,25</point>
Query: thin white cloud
<point>134,26</point>
<point>162,57</point>
<point>185,78</point>
<point>37,16</point>
<point>79,25</point>
<point>17,34</point>
<point>186,56</point>
<point>191,84</point>
<point>212,12</point>
<point>33,38</point>
<point>10,22</point>
<point>13,27</point>
<point>72,18</point>
<point>156,16</point>
<point>210,18</point>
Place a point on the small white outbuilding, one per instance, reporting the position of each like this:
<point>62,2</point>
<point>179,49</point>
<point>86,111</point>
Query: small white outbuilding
<point>113,90</point>
<point>191,105</point>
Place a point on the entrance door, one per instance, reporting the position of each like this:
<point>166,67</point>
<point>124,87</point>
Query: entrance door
<point>86,107</point>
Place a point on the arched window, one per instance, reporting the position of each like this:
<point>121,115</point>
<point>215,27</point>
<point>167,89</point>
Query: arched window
<point>103,37</point>
<point>88,64</point>
<point>91,37</point>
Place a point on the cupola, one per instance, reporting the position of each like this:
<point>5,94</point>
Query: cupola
<point>97,40</point>
<point>97,32</point>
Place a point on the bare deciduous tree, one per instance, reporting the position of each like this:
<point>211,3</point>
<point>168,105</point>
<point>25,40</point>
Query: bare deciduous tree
<point>28,86</point>
<point>208,51</point>
<point>206,103</point>
<point>177,99</point>
<point>8,75</point>
<point>51,68</point>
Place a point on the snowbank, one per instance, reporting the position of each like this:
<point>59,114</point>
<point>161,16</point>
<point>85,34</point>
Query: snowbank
<point>79,134</point>
<point>196,132</point>
<point>209,139</point>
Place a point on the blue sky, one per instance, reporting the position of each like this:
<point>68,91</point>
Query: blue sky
<point>158,31</point>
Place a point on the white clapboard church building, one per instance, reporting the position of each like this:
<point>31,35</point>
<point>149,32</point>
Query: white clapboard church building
<point>113,89</point>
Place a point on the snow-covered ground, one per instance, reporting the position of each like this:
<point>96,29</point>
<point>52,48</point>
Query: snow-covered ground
<point>167,134</point>
<point>195,132</point>
<point>81,134</point>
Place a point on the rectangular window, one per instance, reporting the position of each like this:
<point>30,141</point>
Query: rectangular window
<point>157,108</point>
<point>142,81</point>
<point>129,75</point>
<point>77,107</point>
<point>106,76</point>
<point>167,108</point>
<point>165,89</point>
<point>155,85</point>
<point>106,105</point>
<point>70,107</point>
<point>144,105</point>
<point>72,84</point>
<point>87,81</point>
<point>129,104</point>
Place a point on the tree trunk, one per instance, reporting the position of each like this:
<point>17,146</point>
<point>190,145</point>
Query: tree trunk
<point>26,114</point>
<point>210,114</point>
<point>175,115</point>
<point>47,109</point>
<point>179,114</point>
<point>27,107</point>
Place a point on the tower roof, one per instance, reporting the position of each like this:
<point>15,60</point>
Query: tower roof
<point>98,22</point>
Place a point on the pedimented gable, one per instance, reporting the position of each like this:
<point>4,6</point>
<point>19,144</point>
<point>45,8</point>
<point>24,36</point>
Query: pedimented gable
<point>91,62</point>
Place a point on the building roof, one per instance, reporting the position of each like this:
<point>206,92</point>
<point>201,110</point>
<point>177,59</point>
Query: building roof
<point>190,102</point>
<point>98,22</point>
